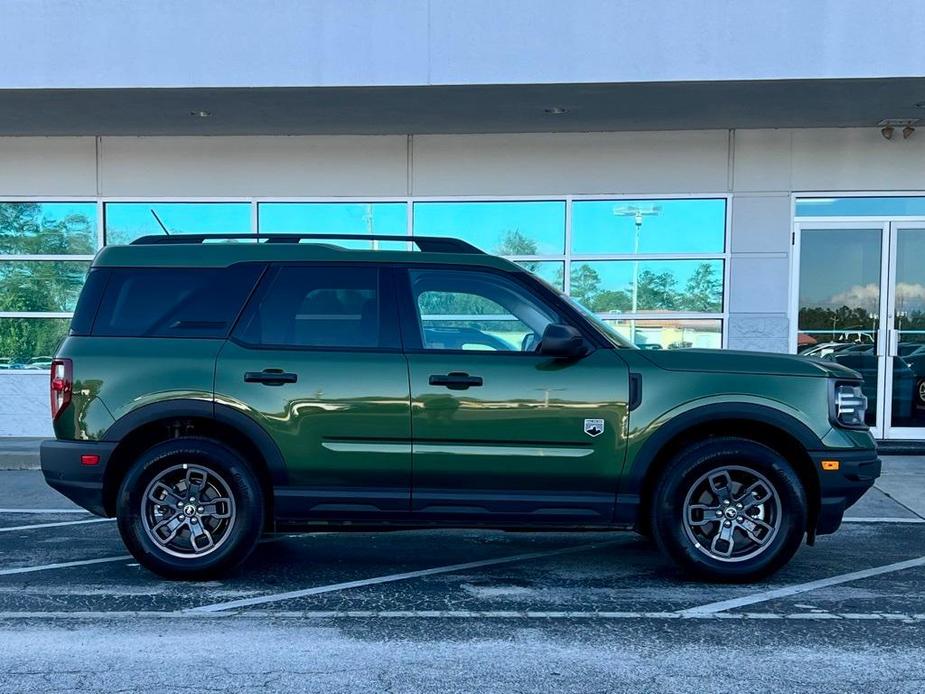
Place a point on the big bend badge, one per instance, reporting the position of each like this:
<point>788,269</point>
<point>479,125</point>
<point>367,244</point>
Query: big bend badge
<point>594,427</point>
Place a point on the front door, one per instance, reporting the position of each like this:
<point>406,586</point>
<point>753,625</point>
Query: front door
<point>315,359</point>
<point>500,431</point>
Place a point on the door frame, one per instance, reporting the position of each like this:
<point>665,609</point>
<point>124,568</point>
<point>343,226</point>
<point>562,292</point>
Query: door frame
<point>836,223</point>
<point>892,336</point>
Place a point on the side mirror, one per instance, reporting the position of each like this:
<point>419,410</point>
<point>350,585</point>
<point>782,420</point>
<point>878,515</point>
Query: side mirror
<point>562,342</point>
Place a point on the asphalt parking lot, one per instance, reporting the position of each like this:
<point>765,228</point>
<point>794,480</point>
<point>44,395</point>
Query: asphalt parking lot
<point>466,611</point>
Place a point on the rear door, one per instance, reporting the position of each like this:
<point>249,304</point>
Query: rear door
<point>315,359</point>
<point>500,431</point>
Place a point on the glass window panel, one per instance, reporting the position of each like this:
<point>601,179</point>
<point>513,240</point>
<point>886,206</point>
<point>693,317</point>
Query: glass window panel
<point>501,228</point>
<point>885,206</point>
<point>48,228</point>
<point>29,343</point>
<point>173,302</point>
<point>389,218</point>
<point>671,334</point>
<point>649,226</point>
<point>126,221</point>
<point>608,286</point>
<point>839,280</point>
<point>480,311</point>
<point>551,271</point>
<point>320,307</point>
<point>41,285</point>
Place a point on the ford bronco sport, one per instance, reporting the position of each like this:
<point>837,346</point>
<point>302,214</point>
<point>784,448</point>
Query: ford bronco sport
<point>210,392</point>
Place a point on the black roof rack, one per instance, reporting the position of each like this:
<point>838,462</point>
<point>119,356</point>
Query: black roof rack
<point>427,244</point>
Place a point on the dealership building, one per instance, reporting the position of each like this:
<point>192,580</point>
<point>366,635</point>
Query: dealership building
<point>741,174</point>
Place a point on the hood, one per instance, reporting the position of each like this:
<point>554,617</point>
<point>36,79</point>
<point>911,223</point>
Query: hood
<point>728,361</point>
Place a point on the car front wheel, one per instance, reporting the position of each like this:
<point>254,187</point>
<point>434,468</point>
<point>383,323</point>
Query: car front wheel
<point>190,508</point>
<point>729,509</point>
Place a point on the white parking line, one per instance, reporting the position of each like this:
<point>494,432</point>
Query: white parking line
<point>289,595</point>
<point>44,510</point>
<point>34,526</point>
<point>883,520</point>
<point>798,588</point>
<point>61,565</point>
<point>465,614</point>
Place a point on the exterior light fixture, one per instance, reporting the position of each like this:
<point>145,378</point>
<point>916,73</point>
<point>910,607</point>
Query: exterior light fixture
<point>888,126</point>
<point>555,110</point>
<point>201,114</point>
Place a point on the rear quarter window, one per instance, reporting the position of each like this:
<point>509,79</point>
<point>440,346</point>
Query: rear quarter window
<point>173,302</point>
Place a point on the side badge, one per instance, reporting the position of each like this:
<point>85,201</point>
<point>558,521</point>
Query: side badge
<point>594,427</point>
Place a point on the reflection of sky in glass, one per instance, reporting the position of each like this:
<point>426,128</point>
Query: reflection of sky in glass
<point>679,226</point>
<point>861,207</point>
<point>487,224</point>
<point>840,267</point>
<point>126,221</point>
<point>333,218</point>
<point>910,270</point>
<point>390,218</point>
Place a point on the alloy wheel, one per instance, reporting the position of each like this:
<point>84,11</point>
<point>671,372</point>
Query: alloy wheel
<point>732,513</point>
<point>188,511</point>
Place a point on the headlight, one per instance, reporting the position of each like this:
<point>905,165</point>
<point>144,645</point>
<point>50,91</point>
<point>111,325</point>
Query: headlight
<point>849,405</point>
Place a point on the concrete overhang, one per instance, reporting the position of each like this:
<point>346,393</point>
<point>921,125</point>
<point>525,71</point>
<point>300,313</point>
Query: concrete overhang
<point>462,109</point>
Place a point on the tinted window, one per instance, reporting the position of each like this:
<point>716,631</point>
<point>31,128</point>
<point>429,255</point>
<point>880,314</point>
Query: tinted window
<point>173,302</point>
<point>477,311</point>
<point>312,306</point>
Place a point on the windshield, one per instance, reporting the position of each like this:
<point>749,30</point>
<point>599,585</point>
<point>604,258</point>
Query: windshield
<point>608,331</point>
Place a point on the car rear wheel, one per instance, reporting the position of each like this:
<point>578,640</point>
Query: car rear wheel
<point>729,509</point>
<point>190,508</point>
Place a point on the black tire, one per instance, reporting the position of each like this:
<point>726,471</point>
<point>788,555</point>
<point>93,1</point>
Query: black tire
<point>240,533</point>
<point>683,535</point>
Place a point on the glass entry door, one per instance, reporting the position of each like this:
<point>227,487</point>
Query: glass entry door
<point>904,415</point>
<point>861,303</point>
<point>841,309</point>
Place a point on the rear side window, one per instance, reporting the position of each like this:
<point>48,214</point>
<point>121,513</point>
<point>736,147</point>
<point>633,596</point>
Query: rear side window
<point>173,302</point>
<point>316,307</point>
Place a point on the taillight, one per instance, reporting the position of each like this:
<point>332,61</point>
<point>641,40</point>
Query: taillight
<point>62,375</point>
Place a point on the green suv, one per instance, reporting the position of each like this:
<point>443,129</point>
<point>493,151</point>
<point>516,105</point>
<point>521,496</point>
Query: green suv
<point>210,392</point>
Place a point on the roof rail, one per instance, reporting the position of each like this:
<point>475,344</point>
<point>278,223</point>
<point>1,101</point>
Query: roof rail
<point>427,244</point>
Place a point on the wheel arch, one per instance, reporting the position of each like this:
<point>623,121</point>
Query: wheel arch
<point>775,429</point>
<point>151,424</point>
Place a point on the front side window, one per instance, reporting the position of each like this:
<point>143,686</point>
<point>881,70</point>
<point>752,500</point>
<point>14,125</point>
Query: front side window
<point>477,311</point>
<point>315,307</point>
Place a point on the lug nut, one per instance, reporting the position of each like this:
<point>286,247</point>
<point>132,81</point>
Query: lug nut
<point>718,512</point>
<point>738,505</point>
<point>727,523</point>
<point>200,509</point>
<point>192,498</point>
<point>193,519</point>
<point>182,517</point>
<point>725,502</point>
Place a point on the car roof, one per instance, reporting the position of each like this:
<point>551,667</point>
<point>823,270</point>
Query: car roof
<point>195,252</point>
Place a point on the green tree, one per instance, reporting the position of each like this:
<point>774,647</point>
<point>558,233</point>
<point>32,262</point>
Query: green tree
<point>704,290</point>
<point>657,290</point>
<point>39,285</point>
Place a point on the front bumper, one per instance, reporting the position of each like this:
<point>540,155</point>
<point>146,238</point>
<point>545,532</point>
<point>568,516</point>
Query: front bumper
<point>840,489</point>
<point>64,472</point>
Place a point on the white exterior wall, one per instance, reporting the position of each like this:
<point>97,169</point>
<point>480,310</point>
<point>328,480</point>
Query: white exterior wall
<point>290,43</point>
<point>759,168</point>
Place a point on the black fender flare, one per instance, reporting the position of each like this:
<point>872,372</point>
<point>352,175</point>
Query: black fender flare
<point>206,409</point>
<point>636,471</point>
